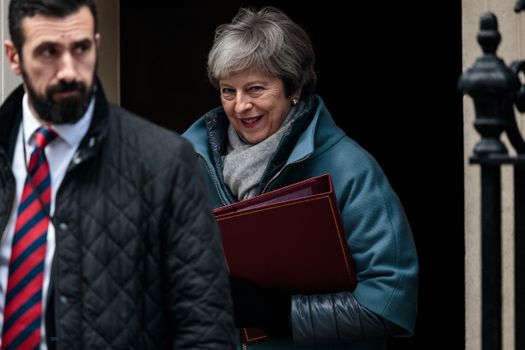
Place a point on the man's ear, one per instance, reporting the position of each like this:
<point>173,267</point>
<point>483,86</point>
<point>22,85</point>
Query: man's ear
<point>97,40</point>
<point>12,56</point>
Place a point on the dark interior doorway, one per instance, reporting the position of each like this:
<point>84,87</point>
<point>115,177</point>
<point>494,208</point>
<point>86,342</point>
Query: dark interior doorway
<point>387,72</point>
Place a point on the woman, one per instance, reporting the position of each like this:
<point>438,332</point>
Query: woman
<point>273,130</point>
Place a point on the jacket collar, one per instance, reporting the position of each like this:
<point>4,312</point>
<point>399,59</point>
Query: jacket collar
<point>320,134</point>
<point>305,145</point>
<point>10,119</point>
<point>198,132</point>
<point>99,123</point>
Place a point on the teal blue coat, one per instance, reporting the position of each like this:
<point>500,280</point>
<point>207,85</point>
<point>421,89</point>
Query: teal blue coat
<point>377,230</point>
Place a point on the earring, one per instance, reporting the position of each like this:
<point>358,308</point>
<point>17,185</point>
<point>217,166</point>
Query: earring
<point>295,101</point>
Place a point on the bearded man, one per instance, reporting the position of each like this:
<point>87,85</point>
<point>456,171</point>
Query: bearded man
<point>108,239</point>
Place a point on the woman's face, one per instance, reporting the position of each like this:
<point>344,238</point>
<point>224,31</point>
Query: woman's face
<point>255,104</point>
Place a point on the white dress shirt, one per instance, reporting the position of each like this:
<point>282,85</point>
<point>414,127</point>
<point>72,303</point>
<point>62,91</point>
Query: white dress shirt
<point>59,154</point>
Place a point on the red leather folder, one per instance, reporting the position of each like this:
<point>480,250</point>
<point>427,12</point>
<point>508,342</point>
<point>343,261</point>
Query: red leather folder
<point>290,239</point>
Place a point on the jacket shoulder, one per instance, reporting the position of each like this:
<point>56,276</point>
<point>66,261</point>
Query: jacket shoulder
<point>149,141</point>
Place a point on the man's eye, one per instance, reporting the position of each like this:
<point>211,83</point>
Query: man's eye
<point>81,48</point>
<point>48,52</point>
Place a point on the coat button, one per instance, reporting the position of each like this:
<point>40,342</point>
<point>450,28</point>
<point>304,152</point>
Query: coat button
<point>63,299</point>
<point>63,226</point>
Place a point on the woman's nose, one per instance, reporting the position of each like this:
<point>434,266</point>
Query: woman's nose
<point>242,103</point>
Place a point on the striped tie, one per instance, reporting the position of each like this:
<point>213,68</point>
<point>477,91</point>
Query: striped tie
<point>23,303</point>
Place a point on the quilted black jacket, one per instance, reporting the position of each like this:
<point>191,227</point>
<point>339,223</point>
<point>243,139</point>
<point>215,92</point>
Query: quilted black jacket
<point>138,263</point>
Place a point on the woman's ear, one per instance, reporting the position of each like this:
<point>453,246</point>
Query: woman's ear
<point>296,96</point>
<point>297,93</point>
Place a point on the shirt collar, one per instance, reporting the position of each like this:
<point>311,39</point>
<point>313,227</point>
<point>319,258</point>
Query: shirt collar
<point>72,134</point>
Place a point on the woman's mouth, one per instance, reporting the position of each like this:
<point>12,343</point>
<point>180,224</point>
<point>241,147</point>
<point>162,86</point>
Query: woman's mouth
<point>251,122</point>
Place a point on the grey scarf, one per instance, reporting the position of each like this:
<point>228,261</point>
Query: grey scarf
<point>244,163</point>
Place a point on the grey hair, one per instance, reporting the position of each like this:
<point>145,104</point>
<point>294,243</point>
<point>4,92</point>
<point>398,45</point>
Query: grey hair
<point>266,40</point>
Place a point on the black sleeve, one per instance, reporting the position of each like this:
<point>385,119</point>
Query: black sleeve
<point>335,318</point>
<point>198,287</point>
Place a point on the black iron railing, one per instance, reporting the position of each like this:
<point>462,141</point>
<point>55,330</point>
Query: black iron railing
<point>496,90</point>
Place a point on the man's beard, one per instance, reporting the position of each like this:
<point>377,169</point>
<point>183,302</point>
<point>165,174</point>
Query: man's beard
<point>67,110</point>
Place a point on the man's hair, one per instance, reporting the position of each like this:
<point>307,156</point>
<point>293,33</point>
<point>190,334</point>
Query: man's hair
<point>19,9</point>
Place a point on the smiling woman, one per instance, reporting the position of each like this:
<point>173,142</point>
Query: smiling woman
<point>272,130</point>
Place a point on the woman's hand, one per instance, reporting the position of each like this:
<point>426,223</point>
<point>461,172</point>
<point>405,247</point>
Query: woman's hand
<point>259,307</point>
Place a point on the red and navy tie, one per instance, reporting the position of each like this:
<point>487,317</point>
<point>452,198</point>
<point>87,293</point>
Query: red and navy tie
<point>23,303</point>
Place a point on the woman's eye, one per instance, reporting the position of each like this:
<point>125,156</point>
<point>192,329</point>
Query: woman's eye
<point>227,91</point>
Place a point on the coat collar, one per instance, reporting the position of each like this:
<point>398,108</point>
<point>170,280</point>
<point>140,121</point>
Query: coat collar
<point>10,119</point>
<point>305,145</point>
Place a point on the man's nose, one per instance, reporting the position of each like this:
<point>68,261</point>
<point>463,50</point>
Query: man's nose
<point>66,71</point>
